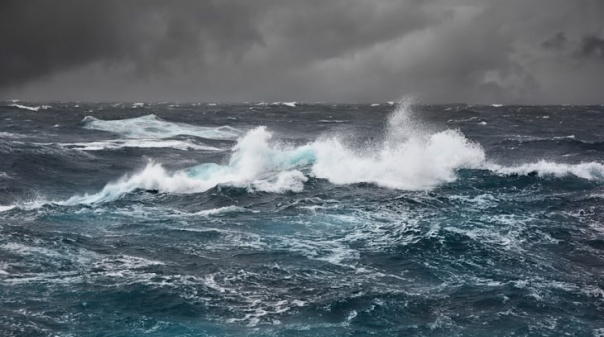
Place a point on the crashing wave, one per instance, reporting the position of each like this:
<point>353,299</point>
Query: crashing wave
<point>410,157</point>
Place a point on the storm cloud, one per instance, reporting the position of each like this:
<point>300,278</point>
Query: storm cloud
<point>540,51</point>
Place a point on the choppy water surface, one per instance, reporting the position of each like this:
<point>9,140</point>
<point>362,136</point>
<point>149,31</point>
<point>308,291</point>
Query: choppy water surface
<point>301,220</point>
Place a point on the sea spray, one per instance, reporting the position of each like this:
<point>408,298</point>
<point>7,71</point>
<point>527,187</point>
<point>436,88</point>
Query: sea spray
<point>409,158</point>
<point>255,164</point>
<point>494,253</point>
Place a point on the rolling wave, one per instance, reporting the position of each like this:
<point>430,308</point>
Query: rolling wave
<point>153,127</point>
<point>411,157</point>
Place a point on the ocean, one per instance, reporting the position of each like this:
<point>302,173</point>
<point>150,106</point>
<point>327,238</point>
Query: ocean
<point>290,219</point>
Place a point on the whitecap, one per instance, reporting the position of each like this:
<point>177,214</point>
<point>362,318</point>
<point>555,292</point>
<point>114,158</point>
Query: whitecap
<point>25,107</point>
<point>151,126</point>
<point>410,158</point>
<point>223,210</point>
<point>289,104</point>
<point>589,171</point>
<point>6,208</point>
<point>116,144</point>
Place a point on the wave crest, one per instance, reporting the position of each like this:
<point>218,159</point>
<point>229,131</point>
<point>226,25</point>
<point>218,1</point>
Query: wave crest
<point>153,127</point>
<point>408,159</point>
<point>589,171</point>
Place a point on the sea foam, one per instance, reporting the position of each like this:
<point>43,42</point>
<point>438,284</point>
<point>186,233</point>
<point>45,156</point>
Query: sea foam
<point>411,156</point>
<point>25,107</point>
<point>153,127</point>
<point>589,171</point>
<point>255,164</point>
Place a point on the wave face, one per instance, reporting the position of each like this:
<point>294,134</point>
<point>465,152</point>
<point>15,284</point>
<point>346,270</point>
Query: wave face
<point>301,219</point>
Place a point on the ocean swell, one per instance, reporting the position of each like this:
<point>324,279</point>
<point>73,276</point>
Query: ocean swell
<point>152,127</point>
<point>410,157</point>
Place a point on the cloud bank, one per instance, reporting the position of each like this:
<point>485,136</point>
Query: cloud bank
<point>513,51</point>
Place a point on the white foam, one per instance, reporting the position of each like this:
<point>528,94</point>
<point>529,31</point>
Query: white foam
<point>138,143</point>
<point>413,165</point>
<point>6,208</point>
<point>589,171</point>
<point>289,104</point>
<point>25,107</point>
<point>284,181</point>
<point>409,159</point>
<point>153,127</point>
<point>254,164</point>
<point>222,211</point>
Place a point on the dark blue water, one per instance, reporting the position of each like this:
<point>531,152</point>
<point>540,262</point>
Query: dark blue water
<point>302,220</point>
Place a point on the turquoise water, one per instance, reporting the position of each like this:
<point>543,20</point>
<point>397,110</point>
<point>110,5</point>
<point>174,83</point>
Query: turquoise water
<point>313,220</point>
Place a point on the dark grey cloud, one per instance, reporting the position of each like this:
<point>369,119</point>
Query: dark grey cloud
<point>515,51</point>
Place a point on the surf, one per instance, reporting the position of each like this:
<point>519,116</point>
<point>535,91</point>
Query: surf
<point>411,156</point>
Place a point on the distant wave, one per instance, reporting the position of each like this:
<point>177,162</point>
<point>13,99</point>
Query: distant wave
<point>289,104</point>
<point>410,157</point>
<point>151,126</point>
<point>589,171</point>
<point>115,144</point>
<point>30,108</point>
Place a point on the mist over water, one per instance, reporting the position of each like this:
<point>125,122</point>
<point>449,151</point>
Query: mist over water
<point>300,220</point>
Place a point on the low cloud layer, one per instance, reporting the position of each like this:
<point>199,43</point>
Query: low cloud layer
<point>513,51</point>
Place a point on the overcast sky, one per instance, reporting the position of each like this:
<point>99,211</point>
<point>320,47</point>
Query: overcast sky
<point>482,51</point>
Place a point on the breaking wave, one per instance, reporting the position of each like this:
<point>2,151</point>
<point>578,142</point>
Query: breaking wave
<point>411,157</point>
<point>116,144</point>
<point>153,127</point>
<point>30,108</point>
<point>589,171</point>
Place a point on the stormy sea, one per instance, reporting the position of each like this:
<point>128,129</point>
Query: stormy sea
<point>290,219</point>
